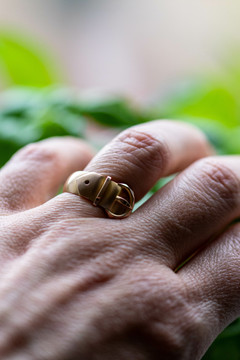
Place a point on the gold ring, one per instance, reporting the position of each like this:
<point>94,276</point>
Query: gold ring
<point>116,199</point>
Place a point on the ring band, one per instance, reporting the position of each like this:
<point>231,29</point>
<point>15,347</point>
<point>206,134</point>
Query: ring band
<point>116,199</point>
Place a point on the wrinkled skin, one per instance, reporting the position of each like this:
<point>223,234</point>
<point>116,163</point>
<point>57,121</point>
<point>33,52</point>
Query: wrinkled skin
<point>78,285</point>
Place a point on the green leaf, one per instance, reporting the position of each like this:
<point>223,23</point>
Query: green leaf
<point>24,63</point>
<point>29,115</point>
<point>227,345</point>
<point>110,111</point>
<point>213,99</point>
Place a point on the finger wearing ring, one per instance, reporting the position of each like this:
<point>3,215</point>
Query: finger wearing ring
<point>137,157</point>
<point>116,199</point>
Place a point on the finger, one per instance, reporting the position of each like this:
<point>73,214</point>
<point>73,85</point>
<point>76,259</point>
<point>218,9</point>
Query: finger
<point>35,173</point>
<point>198,204</point>
<point>213,280</point>
<point>142,154</point>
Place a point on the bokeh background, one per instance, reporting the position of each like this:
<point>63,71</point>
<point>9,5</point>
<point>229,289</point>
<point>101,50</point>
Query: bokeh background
<point>90,68</point>
<point>136,47</point>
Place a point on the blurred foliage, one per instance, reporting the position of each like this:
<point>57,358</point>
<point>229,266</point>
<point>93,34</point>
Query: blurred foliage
<point>29,114</point>
<point>23,62</point>
<point>227,345</point>
<point>212,103</point>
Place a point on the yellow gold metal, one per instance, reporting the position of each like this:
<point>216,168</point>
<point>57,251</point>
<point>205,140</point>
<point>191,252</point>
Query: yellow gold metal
<point>116,198</point>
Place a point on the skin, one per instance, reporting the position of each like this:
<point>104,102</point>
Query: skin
<point>78,285</point>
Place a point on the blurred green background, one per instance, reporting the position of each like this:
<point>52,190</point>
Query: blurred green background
<point>35,105</point>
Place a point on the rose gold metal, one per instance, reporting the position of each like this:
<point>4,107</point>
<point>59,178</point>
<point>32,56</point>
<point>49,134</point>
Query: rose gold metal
<point>116,199</point>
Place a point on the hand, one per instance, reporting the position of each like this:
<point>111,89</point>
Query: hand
<point>78,285</point>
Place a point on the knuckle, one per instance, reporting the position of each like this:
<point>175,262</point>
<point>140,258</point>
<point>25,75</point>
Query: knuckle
<point>219,180</point>
<point>141,149</point>
<point>38,153</point>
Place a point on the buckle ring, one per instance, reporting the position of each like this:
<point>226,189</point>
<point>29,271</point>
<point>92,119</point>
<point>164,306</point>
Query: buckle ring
<point>117,199</point>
